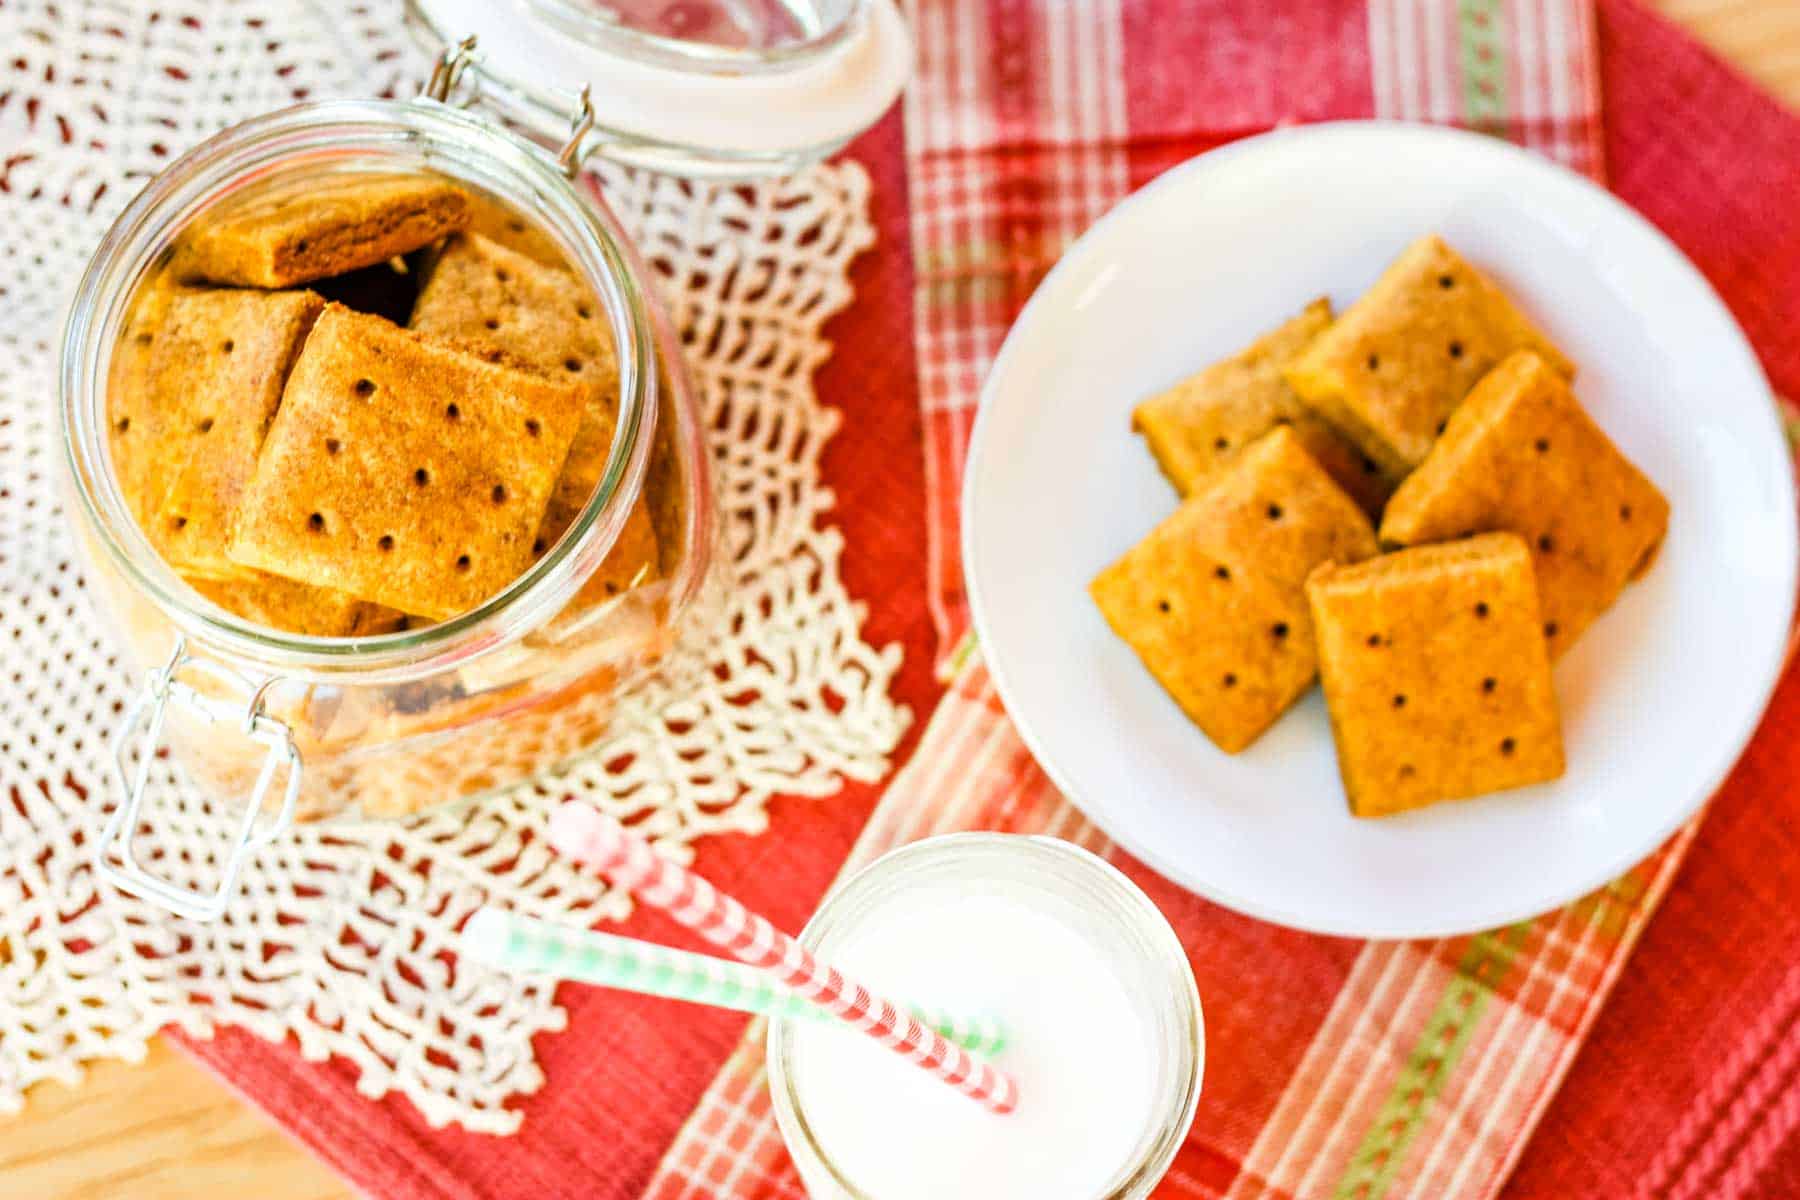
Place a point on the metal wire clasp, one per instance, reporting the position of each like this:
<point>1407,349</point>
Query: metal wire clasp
<point>454,61</point>
<point>448,69</point>
<point>570,157</point>
<point>143,726</point>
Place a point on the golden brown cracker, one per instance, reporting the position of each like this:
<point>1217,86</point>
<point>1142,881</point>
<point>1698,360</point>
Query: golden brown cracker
<point>1277,511</point>
<point>1436,674</point>
<point>1231,647</point>
<point>1522,455</point>
<point>1396,364</point>
<point>1212,600</point>
<point>491,299</point>
<point>402,471</point>
<point>220,363</point>
<point>501,223</point>
<point>134,405</point>
<point>306,231</point>
<point>1197,427</point>
<point>298,607</point>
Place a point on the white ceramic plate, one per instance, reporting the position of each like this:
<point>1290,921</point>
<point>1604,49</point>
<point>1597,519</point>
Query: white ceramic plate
<point>1658,697</point>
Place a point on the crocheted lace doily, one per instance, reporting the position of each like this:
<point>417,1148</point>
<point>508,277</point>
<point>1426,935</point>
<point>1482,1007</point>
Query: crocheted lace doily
<point>338,937</point>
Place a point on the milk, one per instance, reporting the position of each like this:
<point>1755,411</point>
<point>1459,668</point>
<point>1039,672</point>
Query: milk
<point>1089,1051</point>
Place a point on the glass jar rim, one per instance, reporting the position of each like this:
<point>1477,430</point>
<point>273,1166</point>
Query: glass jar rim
<point>1129,900</point>
<point>337,132</point>
<point>580,21</point>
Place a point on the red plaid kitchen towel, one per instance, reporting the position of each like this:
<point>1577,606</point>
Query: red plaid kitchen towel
<point>1684,1087</point>
<point>1400,1069</point>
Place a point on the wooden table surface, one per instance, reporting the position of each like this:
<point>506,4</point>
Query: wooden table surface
<point>164,1129</point>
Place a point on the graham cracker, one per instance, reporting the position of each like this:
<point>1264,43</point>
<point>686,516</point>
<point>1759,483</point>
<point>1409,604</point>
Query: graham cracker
<point>1397,363</point>
<point>1436,674</point>
<point>504,225</point>
<point>298,607</point>
<point>404,471</point>
<point>320,227</point>
<point>220,365</point>
<point>496,301</point>
<point>1522,455</point>
<point>134,404</point>
<point>1213,599</point>
<point>1197,427</point>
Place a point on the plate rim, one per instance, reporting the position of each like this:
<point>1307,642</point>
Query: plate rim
<point>1218,158</point>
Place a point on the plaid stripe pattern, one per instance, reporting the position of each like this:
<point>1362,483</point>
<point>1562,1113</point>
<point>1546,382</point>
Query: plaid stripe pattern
<point>1432,1061</point>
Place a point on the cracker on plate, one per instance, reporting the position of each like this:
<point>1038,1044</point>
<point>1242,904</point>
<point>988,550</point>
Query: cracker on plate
<point>1396,364</point>
<point>302,232</point>
<point>1522,455</point>
<point>219,365</point>
<point>404,471</point>
<point>1436,674</point>
<point>1197,427</point>
<point>1212,599</point>
<point>496,301</point>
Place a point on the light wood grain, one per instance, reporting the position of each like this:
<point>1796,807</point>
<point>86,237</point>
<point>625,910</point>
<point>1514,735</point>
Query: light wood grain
<point>165,1130</point>
<point>160,1130</point>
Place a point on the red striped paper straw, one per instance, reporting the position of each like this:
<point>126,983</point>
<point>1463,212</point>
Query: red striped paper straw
<point>589,836</point>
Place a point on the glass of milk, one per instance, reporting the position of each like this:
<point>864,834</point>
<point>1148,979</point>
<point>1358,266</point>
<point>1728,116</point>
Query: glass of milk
<point>1102,1023</point>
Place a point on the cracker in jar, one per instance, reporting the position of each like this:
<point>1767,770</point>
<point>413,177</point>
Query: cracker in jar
<point>297,607</point>
<point>1436,674</point>
<point>1213,599</point>
<point>1396,364</point>
<point>404,471</point>
<point>1197,427</point>
<point>499,223</point>
<point>320,227</point>
<point>495,301</point>
<point>134,406</point>
<point>1522,455</point>
<point>217,372</point>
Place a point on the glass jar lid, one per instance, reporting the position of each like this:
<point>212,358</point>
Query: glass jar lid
<point>718,88</point>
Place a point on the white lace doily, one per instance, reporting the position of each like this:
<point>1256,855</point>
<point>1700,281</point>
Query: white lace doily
<point>337,939</point>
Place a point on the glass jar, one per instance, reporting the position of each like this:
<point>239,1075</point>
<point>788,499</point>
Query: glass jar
<point>288,726</point>
<point>1113,919</point>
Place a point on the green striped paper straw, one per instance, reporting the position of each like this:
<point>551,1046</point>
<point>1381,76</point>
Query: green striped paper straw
<point>517,943</point>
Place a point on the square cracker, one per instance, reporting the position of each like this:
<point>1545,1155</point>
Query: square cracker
<point>403,471</point>
<point>219,365</point>
<point>1212,600</point>
<point>303,232</point>
<point>1394,367</point>
<point>1198,426</point>
<point>500,223</point>
<point>1522,455</point>
<point>297,607</point>
<point>498,302</point>
<point>134,407</point>
<point>1436,674</point>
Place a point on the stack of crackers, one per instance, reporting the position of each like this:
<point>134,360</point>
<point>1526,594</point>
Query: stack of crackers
<point>366,404</point>
<point>1408,503</point>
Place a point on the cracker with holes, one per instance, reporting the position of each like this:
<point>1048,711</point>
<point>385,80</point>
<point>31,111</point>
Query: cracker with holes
<point>496,301</point>
<point>498,223</point>
<point>216,375</point>
<point>404,471</point>
<point>1522,455</point>
<point>1213,599</point>
<point>297,607</point>
<point>1396,364</point>
<point>135,407</point>
<point>1436,674</point>
<point>1196,428</point>
<point>324,227</point>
